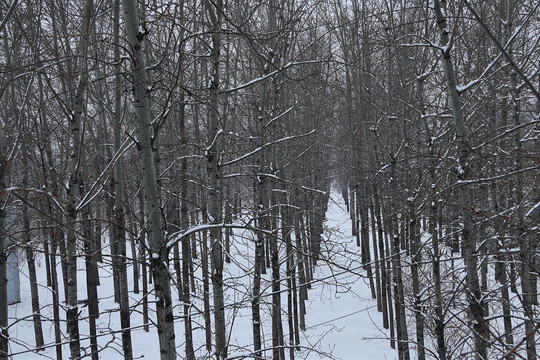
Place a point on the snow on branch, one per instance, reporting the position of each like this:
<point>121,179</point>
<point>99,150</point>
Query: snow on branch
<point>531,211</point>
<point>509,58</point>
<point>489,179</point>
<point>102,178</point>
<point>505,133</point>
<point>256,150</point>
<point>16,189</point>
<point>178,236</point>
<point>293,183</point>
<point>470,84</point>
<point>269,75</point>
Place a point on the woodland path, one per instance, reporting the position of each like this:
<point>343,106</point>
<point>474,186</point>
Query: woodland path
<point>341,312</point>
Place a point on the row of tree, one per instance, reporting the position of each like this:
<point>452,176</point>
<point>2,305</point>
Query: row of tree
<point>238,116</point>
<point>203,107</point>
<point>444,95</point>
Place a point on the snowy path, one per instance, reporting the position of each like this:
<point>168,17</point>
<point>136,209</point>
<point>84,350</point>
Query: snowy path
<point>341,315</point>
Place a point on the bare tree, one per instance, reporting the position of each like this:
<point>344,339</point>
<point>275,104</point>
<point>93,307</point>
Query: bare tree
<point>152,203</point>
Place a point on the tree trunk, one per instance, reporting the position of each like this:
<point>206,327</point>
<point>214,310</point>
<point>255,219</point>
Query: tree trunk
<point>202,196</point>
<point>397,274</point>
<point>290,270</point>
<point>187,261</point>
<point>3,253</point>
<point>414,243</point>
<point>302,288</point>
<point>135,257</point>
<point>144,273</point>
<point>53,230</point>
<point>389,281</point>
<point>206,286</point>
<point>258,265</point>
<point>474,295</point>
<point>416,260</point>
<point>32,277</point>
<point>382,255</point>
<point>215,11</point>
<point>522,237</point>
<point>376,263</point>
<point>434,231</point>
<point>91,278</point>
<point>153,212</point>
<point>72,312</point>
<point>364,238</point>
<point>119,224</point>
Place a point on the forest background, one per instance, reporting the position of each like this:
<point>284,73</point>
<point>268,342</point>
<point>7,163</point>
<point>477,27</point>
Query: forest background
<point>154,136</point>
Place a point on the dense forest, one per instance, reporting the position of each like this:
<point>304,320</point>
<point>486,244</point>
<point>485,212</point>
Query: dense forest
<point>151,140</point>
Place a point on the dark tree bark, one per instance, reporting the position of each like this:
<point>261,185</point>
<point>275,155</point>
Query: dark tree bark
<point>119,224</point>
<point>215,12</point>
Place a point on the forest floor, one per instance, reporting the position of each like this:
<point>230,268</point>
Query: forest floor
<point>342,321</point>
<point>342,317</point>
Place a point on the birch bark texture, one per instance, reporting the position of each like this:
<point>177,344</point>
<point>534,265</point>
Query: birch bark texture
<point>72,311</point>
<point>215,13</point>
<point>136,33</point>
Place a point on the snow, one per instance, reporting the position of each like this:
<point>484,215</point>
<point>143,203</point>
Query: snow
<point>341,315</point>
<point>530,212</point>
<point>342,321</point>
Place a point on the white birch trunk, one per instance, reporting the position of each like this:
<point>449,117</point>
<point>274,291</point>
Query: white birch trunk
<point>153,214</point>
<point>73,185</point>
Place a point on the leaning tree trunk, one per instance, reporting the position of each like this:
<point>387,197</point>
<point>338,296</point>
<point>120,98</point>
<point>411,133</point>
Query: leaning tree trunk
<point>155,232</point>
<point>474,295</point>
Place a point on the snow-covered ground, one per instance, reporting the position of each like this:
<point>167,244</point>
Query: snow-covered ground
<point>342,321</point>
<point>342,317</point>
